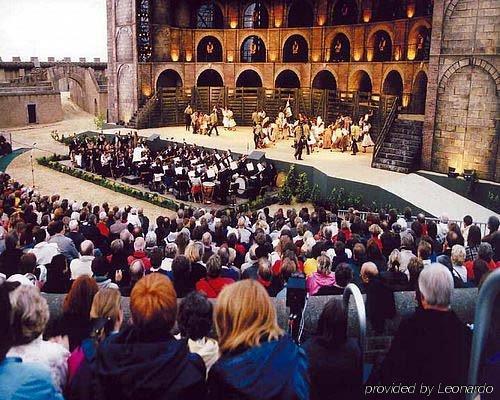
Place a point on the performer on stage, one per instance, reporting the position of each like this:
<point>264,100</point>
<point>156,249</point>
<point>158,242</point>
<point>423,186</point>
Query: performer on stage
<point>299,141</point>
<point>213,122</point>
<point>188,112</point>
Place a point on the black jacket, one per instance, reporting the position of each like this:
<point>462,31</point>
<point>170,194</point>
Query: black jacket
<point>130,365</point>
<point>335,371</point>
<point>431,348</point>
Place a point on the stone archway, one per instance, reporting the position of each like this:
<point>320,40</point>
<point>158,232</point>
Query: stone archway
<point>465,134</point>
<point>209,49</point>
<point>361,82</point>
<point>249,78</point>
<point>296,49</point>
<point>393,84</point>
<point>324,80</point>
<point>287,79</point>
<point>168,78</point>
<point>211,78</point>
<point>419,93</point>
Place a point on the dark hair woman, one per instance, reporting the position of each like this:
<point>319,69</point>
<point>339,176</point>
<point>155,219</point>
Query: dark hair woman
<point>335,367</point>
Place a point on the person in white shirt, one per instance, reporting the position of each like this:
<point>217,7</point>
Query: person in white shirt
<point>83,265</point>
<point>243,231</point>
<point>43,250</point>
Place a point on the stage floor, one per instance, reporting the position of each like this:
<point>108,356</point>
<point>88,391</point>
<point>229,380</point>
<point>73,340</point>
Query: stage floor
<point>414,188</point>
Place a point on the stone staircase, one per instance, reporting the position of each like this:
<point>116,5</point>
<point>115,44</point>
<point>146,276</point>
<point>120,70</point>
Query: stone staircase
<point>401,149</point>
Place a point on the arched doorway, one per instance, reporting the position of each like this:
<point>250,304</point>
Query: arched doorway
<point>287,79</point>
<point>209,50</point>
<point>209,16</point>
<point>419,93</point>
<point>300,14</point>
<point>210,77</point>
<point>168,78</point>
<point>253,49</point>
<point>344,12</point>
<point>324,80</point>
<point>420,43</point>
<point>361,82</point>
<point>340,50</point>
<point>256,16</point>
<point>393,84</point>
<point>382,46</point>
<point>296,49</point>
<point>249,78</point>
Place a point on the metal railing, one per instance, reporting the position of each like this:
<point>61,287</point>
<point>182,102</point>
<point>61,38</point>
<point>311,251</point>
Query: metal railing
<point>359,303</point>
<point>389,120</point>
<point>483,226</point>
<point>482,319</point>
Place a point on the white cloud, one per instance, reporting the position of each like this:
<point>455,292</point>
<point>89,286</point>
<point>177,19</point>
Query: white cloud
<point>53,28</point>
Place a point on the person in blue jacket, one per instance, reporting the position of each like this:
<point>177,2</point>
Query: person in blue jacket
<point>258,361</point>
<point>20,380</point>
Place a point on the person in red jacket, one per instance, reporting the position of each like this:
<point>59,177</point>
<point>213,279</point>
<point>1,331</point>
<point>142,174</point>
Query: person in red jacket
<point>139,253</point>
<point>213,283</point>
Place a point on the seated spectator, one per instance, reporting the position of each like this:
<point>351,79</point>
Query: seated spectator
<point>288,269</point>
<point>136,272</point>
<point>340,254</point>
<point>58,276</point>
<point>379,302</point>
<point>194,253</point>
<point>83,265</point>
<point>183,280</point>
<point>213,283</point>
<point>485,253</point>
<point>390,238</point>
<point>194,320</point>
<point>125,362</point>
<point>20,379</point>
<point>425,346</point>
<point>251,336</point>
<point>343,276</point>
<point>393,277</point>
<point>64,244</point>
<point>415,267</point>
<point>29,316</point>
<point>473,242</point>
<point>324,244</point>
<point>406,251</point>
<point>424,252</point>
<point>375,232</point>
<point>102,225</point>
<point>228,269</point>
<point>75,321</point>
<point>374,255</point>
<point>43,250</point>
<point>139,253</point>
<point>170,253</point>
<point>101,272</point>
<point>335,365</point>
<point>493,236</point>
<point>10,257</point>
<point>74,233</point>
<point>106,318</point>
<point>323,277</point>
<point>265,277</point>
<point>458,260</point>
<point>208,247</point>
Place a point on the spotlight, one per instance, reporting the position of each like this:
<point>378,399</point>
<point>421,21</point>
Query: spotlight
<point>452,172</point>
<point>470,175</point>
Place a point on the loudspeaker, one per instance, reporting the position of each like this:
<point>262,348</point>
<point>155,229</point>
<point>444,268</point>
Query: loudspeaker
<point>153,142</point>
<point>256,156</point>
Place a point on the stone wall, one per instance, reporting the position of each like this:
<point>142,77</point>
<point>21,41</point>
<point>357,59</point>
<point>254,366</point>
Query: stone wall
<point>461,128</point>
<point>14,108</point>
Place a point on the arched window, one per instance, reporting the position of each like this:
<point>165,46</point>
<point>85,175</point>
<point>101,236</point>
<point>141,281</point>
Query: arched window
<point>340,50</point>
<point>253,49</point>
<point>387,10</point>
<point>393,84</point>
<point>422,43</point>
<point>295,49</point>
<point>344,12</point>
<point>249,78</point>
<point>287,79</point>
<point>210,77</point>
<point>256,16</point>
<point>300,14</point>
<point>324,80</point>
<point>209,16</point>
<point>168,78</point>
<point>382,46</point>
<point>209,50</point>
<point>419,93</point>
<point>361,82</point>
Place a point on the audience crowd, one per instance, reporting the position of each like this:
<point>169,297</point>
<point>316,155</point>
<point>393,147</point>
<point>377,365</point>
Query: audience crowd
<point>96,254</point>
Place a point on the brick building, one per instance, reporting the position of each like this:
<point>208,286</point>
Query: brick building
<point>357,52</point>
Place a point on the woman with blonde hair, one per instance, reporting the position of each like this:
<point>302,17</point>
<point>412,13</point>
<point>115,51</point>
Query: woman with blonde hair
<point>106,318</point>
<point>258,361</point>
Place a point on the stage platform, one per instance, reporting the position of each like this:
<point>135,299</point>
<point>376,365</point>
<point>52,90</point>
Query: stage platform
<point>415,189</point>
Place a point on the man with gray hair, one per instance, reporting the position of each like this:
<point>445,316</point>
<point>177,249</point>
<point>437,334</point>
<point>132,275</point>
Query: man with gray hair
<point>432,347</point>
<point>83,265</point>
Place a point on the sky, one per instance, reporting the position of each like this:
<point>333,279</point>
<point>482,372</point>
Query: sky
<point>53,28</point>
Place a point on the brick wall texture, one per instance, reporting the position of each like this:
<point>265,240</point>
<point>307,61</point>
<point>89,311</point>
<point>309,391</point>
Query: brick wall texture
<point>462,128</point>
